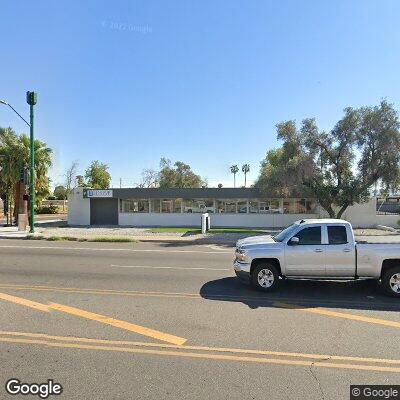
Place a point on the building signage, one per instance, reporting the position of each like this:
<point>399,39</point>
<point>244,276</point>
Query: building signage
<point>97,193</point>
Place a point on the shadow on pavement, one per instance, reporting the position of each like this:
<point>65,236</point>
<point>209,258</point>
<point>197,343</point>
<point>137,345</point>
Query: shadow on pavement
<point>356,295</point>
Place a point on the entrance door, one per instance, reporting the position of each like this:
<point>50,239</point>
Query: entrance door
<point>103,211</point>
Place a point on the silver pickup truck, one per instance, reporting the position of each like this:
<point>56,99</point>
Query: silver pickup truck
<point>316,249</point>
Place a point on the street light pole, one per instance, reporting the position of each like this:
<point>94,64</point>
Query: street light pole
<point>31,99</point>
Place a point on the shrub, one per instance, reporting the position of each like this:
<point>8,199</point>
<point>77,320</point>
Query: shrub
<point>51,209</point>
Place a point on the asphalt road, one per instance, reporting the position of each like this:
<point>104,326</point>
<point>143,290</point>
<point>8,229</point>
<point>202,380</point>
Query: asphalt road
<point>159,321</point>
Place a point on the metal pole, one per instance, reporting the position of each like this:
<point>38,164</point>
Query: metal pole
<point>32,171</point>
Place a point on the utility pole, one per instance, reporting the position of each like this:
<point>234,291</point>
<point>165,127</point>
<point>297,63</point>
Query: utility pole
<point>120,183</point>
<point>31,99</point>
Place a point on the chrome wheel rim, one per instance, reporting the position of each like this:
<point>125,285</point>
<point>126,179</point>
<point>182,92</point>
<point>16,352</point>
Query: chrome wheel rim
<point>394,283</point>
<point>265,278</point>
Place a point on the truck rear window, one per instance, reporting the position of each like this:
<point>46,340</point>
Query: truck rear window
<point>337,234</point>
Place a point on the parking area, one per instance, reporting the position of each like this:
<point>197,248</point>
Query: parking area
<point>101,316</point>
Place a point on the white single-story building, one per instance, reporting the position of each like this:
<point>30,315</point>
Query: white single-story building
<point>228,207</point>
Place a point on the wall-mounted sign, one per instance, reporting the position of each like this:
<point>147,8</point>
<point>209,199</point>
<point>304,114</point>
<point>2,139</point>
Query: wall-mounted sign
<point>97,193</point>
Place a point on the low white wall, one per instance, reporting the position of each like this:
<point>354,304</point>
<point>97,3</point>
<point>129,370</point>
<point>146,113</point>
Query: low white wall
<point>159,219</point>
<point>217,220</point>
<point>364,216</point>
<point>78,208</point>
<point>360,215</point>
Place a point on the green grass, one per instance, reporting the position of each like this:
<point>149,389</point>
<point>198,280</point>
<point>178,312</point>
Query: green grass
<point>195,231</point>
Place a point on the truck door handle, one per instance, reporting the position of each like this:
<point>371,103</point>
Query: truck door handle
<point>318,250</point>
<point>347,250</point>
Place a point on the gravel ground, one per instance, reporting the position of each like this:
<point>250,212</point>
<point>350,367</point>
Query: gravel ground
<point>94,232</point>
<point>145,234</point>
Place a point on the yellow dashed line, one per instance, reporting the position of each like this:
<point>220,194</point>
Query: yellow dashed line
<point>335,314</point>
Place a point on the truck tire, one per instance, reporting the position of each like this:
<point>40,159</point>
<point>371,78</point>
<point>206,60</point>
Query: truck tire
<point>265,277</point>
<point>391,281</point>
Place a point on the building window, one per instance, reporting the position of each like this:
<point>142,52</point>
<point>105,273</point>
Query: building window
<point>270,207</point>
<point>305,206</point>
<point>289,207</point>
<point>155,205</point>
<point>134,206</point>
<point>311,207</point>
<point>198,206</point>
<point>242,206</point>
<point>177,205</point>
<point>226,206</point>
<point>166,206</point>
<point>253,207</point>
<point>301,206</point>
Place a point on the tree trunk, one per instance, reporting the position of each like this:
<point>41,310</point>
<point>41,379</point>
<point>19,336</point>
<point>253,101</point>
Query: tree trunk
<point>342,210</point>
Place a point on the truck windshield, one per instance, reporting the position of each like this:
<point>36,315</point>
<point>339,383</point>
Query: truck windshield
<point>286,233</point>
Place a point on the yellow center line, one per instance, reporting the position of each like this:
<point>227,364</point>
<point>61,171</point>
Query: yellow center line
<point>176,295</point>
<point>335,314</point>
<point>103,291</point>
<point>141,330</point>
<point>165,337</point>
<point>323,357</point>
<point>202,355</point>
<point>24,302</point>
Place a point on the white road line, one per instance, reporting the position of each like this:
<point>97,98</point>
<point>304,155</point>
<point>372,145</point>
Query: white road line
<point>103,249</point>
<point>154,267</point>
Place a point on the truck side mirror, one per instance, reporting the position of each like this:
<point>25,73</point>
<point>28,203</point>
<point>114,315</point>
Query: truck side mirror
<point>294,241</point>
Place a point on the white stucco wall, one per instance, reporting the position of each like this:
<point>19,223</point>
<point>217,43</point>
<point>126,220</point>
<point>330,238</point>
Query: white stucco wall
<point>360,215</point>
<point>364,216</point>
<point>78,208</point>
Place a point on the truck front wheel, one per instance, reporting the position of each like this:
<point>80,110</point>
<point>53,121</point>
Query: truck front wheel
<point>265,277</point>
<point>391,281</point>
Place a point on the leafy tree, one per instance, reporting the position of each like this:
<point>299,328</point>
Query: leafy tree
<point>16,151</point>
<point>150,179</point>
<point>97,175</point>
<point>178,175</point>
<point>80,181</point>
<point>340,167</point>
<point>70,177</point>
<point>60,192</point>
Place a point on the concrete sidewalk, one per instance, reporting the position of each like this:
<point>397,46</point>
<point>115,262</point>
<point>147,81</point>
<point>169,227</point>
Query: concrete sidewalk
<point>11,232</point>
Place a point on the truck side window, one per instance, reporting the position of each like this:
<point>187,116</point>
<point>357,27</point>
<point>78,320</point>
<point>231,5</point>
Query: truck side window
<point>337,235</point>
<point>310,235</point>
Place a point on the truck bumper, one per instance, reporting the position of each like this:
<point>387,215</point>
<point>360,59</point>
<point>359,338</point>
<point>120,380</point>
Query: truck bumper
<point>242,271</point>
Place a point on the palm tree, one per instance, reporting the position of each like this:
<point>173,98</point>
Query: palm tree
<point>245,170</point>
<point>16,149</point>
<point>43,163</point>
<point>234,170</point>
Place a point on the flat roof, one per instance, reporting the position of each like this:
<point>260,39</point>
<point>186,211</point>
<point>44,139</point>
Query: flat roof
<point>187,193</point>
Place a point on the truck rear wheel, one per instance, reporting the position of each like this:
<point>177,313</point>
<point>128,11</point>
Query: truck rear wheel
<point>265,277</point>
<point>391,281</point>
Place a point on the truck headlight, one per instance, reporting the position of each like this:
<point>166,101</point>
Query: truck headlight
<point>241,255</point>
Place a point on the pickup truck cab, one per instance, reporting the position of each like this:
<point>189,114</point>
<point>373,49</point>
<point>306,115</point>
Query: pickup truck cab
<point>316,249</point>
